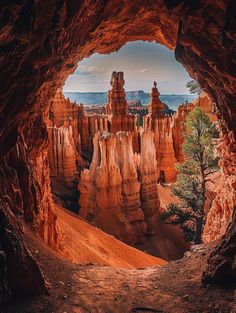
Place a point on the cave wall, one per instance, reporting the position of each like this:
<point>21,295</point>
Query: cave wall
<point>40,46</point>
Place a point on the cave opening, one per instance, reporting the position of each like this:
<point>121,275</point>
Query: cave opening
<point>85,108</point>
<point>39,50</point>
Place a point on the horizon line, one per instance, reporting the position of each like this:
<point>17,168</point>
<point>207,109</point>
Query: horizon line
<point>161,94</point>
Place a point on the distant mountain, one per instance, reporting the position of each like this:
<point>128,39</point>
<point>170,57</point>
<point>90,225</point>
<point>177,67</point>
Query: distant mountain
<point>173,101</point>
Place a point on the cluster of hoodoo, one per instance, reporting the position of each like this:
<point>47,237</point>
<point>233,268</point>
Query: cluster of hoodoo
<point>119,190</point>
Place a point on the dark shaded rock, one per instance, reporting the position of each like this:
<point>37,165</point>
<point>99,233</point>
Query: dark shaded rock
<point>37,42</point>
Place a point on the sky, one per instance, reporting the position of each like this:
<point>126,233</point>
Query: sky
<point>142,63</point>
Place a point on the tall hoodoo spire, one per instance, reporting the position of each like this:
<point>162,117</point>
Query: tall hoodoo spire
<point>119,118</point>
<point>117,104</point>
<point>155,107</point>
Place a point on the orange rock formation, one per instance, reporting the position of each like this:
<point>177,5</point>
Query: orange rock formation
<point>110,190</point>
<point>155,106</point>
<point>206,104</point>
<point>221,211</point>
<point>179,128</point>
<point>168,135</point>
<point>117,109</point>
<point>42,45</point>
<point>148,177</point>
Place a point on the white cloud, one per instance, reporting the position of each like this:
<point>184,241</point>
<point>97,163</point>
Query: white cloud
<point>88,70</point>
<point>143,70</point>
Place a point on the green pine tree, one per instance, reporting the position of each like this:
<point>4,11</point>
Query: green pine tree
<point>194,87</point>
<point>190,186</point>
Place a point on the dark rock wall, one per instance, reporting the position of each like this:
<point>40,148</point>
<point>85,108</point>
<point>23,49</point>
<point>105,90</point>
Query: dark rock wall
<point>40,45</point>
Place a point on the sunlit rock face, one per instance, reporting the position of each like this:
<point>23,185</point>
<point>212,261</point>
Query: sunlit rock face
<point>168,135</point>
<point>88,126</point>
<point>110,190</point>
<point>64,149</point>
<point>205,103</point>
<point>221,211</point>
<point>117,109</point>
<point>148,177</point>
<point>179,129</point>
<point>40,47</point>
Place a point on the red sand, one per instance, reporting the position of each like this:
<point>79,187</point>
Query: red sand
<point>88,244</point>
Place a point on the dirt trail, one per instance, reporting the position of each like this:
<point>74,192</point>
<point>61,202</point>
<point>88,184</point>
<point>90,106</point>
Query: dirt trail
<point>173,288</point>
<point>118,288</point>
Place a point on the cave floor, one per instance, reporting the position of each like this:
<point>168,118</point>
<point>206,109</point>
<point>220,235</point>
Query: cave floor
<point>175,287</point>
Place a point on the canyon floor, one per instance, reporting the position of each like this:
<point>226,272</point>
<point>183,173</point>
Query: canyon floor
<point>120,288</point>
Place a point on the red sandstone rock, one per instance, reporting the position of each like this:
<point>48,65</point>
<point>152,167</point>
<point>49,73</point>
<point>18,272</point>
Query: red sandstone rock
<point>100,190</point>
<point>117,109</point>
<point>162,126</point>
<point>41,45</point>
<point>148,177</point>
<point>179,129</point>
<point>111,195</point>
<point>155,108</point>
<point>130,186</point>
<point>221,211</point>
<point>164,145</point>
<point>206,104</point>
<point>62,153</point>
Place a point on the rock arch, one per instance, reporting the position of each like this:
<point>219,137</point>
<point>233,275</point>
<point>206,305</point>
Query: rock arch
<point>40,46</point>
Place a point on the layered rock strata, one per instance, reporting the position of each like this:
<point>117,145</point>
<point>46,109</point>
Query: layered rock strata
<point>25,173</point>
<point>164,145</point>
<point>88,126</point>
<point>155,107</point>
<point>41,46</point>
<point>179,129</point>
<point>70,146</point>
<point>117,109</point>
<point>222,209</point>
<point>148,178</point>
<point>168,135</point>
<point>169,131</point>
<point>119,191</point>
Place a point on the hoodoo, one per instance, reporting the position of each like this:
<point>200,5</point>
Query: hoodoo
<point>168,132</point>
<point>111,194</point>
<point>43,136</point>
<point>155,107</point>
<point>117,107</point>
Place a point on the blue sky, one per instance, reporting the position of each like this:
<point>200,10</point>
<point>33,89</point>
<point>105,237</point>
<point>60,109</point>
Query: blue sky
<point>142,63</point>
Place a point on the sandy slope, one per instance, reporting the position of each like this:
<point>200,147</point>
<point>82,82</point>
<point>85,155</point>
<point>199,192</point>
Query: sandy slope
<point>88,244</point>
<point>166,196</point>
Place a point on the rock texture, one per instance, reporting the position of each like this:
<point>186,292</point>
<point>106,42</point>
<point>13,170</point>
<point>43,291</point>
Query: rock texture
<point>25,173</point>
<point>64,149</point>
<point>148,177</point>
<point>41,45</point>
<point>117,109</point>
<point>165,152</point>
<point>110,190</point>
<point>130,186</point>
<point>88,126</point>
<point>168,135</point>
<point>179,128</point>
<point>169,130</point>
<point>155,108</point>
<point>222,209</point>
<point>204,101</point>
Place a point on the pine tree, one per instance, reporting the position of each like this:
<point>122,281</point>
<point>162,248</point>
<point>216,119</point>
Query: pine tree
<point>194,87</point>
<point>190,186</point>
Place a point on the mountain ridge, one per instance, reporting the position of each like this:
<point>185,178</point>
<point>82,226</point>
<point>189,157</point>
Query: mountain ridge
<point>95,98</point>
